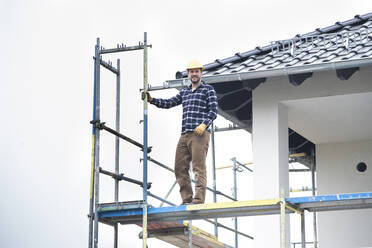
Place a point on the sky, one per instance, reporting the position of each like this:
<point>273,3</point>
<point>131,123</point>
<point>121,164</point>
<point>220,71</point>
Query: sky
<point>46,92</point>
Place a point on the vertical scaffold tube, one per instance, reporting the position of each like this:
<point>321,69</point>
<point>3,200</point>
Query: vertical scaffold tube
<point>91,196</point>
<point>313,193</point>
<point>117,128</point>
<point>214,178</point>
<point>282,220</point>
<point>97,139</point>
<point>190,233</point>
<point>145,145</point>
<point>236,198</point>
<point>303,237</point>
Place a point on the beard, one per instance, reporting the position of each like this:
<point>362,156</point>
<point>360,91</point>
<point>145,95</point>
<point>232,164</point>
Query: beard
<point>195,80</point>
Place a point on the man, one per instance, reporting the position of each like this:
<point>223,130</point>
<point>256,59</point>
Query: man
<point>199,102</point>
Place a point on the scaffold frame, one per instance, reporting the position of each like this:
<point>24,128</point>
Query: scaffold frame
<point>95,206</point>
<point>141,213</point>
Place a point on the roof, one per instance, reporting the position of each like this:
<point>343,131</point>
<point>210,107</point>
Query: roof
<point>348,40</point>
<point>343,46</point>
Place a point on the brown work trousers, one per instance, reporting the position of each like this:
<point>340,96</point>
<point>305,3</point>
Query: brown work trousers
<point>192,148</point>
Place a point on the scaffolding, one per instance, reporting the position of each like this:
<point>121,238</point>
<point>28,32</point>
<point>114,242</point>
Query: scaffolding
<point>95,207</point>
<point>168,223</point>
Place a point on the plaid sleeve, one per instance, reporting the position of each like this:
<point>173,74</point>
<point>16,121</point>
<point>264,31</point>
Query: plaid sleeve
<point>212,105</point>
<point>167,103</point>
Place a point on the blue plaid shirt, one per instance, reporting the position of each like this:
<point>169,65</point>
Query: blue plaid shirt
<point>199,106</point>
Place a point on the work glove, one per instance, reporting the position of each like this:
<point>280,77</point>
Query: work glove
<point>149,98</point>
<point>199,130</point>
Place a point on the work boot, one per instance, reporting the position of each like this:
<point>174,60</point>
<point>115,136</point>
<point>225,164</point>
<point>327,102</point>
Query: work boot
<point>196,202</point>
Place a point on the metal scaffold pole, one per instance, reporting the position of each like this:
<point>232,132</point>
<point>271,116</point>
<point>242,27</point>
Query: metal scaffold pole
<point>91,195</point>
<point>214,177</point>
<point>190,233</point>
<point>303,237</point>
<point>97,140</point>
<point>169,192</point>
<point>235,195</point>
<point>313,193</point>
<point>282,220</point>
<point>117,128</point>
<point>145,137</point>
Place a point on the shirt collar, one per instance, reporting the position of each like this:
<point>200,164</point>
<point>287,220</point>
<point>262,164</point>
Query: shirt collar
<point>201,85</point>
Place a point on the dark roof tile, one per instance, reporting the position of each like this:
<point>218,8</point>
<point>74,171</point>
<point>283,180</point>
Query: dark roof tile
<point>367,54</point>
<point>349,55</point>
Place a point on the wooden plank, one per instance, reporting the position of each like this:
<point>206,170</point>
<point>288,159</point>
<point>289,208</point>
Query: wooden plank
<point>200,238</point>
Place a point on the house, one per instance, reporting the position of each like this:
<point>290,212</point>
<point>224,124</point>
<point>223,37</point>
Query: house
<point>311,94</point>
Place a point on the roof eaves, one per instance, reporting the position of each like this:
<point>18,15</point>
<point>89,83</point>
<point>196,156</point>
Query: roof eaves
<point>339,65</point>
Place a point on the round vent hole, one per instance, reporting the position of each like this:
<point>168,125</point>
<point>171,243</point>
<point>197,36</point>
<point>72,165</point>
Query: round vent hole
<point>361,167</point>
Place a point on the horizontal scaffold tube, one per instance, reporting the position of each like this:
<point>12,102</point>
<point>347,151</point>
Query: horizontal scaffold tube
<point>123,49</point>
<point>108,66</point>
<point>102,126</point>
<point>121,177</point>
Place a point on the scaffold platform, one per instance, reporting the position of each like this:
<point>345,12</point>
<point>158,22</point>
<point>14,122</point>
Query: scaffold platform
<point>177,234</point>
<point>111,213</point>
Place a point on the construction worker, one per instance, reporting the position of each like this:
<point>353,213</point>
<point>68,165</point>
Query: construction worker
<point>199,102</point>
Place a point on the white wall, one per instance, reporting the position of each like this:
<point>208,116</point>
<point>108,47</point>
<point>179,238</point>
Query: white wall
<point>337,173</point>
<point>270,154</point>
<point>267,155</point>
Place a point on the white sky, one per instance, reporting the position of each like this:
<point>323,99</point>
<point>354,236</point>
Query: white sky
<point>46,97</point>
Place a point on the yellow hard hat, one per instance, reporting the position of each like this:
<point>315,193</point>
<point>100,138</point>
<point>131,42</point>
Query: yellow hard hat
<point>194,64</point>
